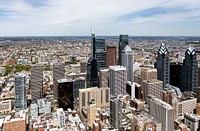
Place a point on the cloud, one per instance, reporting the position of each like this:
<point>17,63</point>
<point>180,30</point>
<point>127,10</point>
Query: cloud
<point>107,17</point>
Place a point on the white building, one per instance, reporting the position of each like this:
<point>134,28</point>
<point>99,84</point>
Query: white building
<point>117,80</point>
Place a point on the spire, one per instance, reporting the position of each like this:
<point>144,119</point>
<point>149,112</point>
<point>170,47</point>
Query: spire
<point>191,50</point>
<point>163,49</point>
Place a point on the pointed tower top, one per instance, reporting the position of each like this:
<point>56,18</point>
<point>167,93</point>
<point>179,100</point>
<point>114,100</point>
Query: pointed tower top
<point>163,49</point>
<point>127,48</point>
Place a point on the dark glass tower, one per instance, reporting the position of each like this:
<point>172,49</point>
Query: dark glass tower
<point>190,71</point>
<point>123,42</point>
<point>65,93</point>
<point>99,52</point>
<point>175,74</point>
<point>92,72</point>
<point>163,65</point>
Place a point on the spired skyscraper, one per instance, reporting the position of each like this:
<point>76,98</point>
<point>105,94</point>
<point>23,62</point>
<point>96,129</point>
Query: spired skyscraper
<point>127,61</point>
<point>20,91</point>
<point>99,52</point>
<point>123,42</point>
<point>163,65</point>
<point>190,71</point>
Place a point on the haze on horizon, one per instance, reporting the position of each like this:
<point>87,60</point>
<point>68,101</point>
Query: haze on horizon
<point>106,17</point>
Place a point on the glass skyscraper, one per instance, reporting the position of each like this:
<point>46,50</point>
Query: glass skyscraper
<point>163,65</point>
<point>123,42</point>
<point>20,91</point>
<point>92,72</point>
<point>190,71</point>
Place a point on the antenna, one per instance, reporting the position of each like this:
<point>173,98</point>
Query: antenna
<point>91,30</point>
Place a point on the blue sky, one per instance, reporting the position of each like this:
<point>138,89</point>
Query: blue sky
<point>106,17</point>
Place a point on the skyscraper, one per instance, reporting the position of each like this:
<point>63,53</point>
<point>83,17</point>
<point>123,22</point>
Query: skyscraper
<point>163,113</point>
<point>127,61</point>
<point>116,105</point>
<point>123,42</point>
<point>36,82</point>
<point>117,80</point>
<point>92,72</point>
<point>20,91</point>
<point>99,52</point>
<point>103,77</point>
<point>79,83</point>
<point>163,65</point>
<point>65,93</point>
<point>111,56</point>
<point>58,73</point>
<point>190,71</point>
<point>175,74</point>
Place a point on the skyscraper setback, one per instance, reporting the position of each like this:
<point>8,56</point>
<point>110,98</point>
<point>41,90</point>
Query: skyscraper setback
<point>127,61</point>
<point>123,42</point>
<point>163,65</point>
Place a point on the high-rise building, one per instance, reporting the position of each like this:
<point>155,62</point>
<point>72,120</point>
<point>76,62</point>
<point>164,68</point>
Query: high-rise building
<point>127,61</point>
<point>192,121</point>
<point>58,73</point>
<point>92,72</point>
<point>111,56</point>
<point>163,113</point>
<point>163,65</point>
<point>190,71</point>
<point>20,91</point>
<point>152,87</point>
<point>91,112</point>
<point>117,80</point>
<point>116,105</point>
<point>99,52</point>
<point>65,93</point>
<point>83,65</point>
<point>101,96</point>
<point>79,83</point>
<point>123,42</point>
<point>175,74</point>
<point>103,78</point>
<point>36,82</point>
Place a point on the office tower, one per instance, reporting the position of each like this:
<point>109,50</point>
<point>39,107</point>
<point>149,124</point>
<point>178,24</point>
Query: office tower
<point>111,56</point>
<point>20,91</point>
<point>127,61</point>
<point>117,80</point>
<point>65,93</point>
<point>99,52</point>
<point>79,83</point>
<point>175,74</point>
<point>83,65</point>
<point>92,72</point>
<point>162,65</point>
<point>36,82</point>
<point>152,87</point>
<point>123,42</point>
<point>103,78</point>
<point>116,105</point>
<point>190,71</point>
<point>163,113</point>
<point>91,112</point>
<point>100,95</point>
<point>192,121</point>
<point>58,73</point>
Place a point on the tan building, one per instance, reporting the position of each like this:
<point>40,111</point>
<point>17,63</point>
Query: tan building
<point>5,106</point>
<point>18,123</point>
<point>91,113</point>
<point>152,87</point>
<point>100,95</point>
<point>83,66</point>
<point>103,78</point>
<point>144,123</point>
<point>198,109</point>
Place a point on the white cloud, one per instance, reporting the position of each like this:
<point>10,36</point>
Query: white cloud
<point>75,17</point>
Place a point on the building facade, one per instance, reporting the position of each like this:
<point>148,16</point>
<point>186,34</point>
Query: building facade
<point>20,91</point>
<point>111,56</point>
<point>117,80</point>
<point>127,61</point>
<point>123,42</point>
<point>92,72</point>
